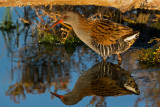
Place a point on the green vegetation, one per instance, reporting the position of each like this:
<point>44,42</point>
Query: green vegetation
<point>150,56</point>
<point>157,25</point>
<point>49,40</point>
<point>7,28</point>
<point>7,23</point>
<point>71,43</point>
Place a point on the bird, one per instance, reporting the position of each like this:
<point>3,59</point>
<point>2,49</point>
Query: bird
<point>103,36</point>
<point>103,79</point>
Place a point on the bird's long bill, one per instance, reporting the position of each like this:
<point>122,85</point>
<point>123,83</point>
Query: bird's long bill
<point>58,22</point>
<point>59,96</point>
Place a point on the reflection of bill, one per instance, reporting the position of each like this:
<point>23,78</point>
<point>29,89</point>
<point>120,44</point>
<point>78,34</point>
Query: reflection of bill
<point>103,79</point>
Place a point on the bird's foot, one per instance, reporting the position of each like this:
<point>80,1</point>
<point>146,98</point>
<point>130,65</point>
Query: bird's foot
<point>119,59</point>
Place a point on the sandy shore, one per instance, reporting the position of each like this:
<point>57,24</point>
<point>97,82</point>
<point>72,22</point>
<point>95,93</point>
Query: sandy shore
<point>123,5</point>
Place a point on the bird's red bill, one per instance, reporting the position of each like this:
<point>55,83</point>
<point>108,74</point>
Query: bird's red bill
<point>59,96</point>
<point>58,22</point>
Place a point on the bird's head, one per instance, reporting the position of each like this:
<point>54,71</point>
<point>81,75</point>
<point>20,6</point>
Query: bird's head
<point>68,17</point>
<point>131,86</point>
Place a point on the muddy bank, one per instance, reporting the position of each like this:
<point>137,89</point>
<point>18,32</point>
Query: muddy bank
<point>123,5</point>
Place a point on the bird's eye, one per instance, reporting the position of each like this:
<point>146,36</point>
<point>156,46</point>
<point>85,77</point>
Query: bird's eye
<point>65,17</point>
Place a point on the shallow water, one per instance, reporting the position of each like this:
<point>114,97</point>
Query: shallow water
<point>30,70</point>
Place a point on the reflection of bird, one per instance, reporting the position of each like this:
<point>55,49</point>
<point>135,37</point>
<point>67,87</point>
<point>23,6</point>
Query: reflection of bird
<point>103,79</point>
<point>103,36</point>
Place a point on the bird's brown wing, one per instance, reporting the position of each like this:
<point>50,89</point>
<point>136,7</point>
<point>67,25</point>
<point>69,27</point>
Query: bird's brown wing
<point>106,32</point>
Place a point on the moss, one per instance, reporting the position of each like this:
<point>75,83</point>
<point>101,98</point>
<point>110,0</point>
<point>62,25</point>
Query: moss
<point>157,25</point>
<point>71,43</point>
<point>150,56</point>
<point>49,41</point>
<point>7,23</point>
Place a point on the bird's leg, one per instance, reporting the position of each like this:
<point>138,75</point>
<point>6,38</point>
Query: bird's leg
<point>119,59</point>
<point>104,59</point>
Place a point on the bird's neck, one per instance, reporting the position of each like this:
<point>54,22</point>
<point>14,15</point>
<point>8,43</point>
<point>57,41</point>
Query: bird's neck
<point>73,98</point>
<point>82,28</point>
<point>80,22</point>
<point>81,88</point>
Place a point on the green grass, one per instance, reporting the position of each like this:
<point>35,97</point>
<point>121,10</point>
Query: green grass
<point>48,38</point>
<point>49,41</point>
<point>157,25</point>
<point>150,56</point>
